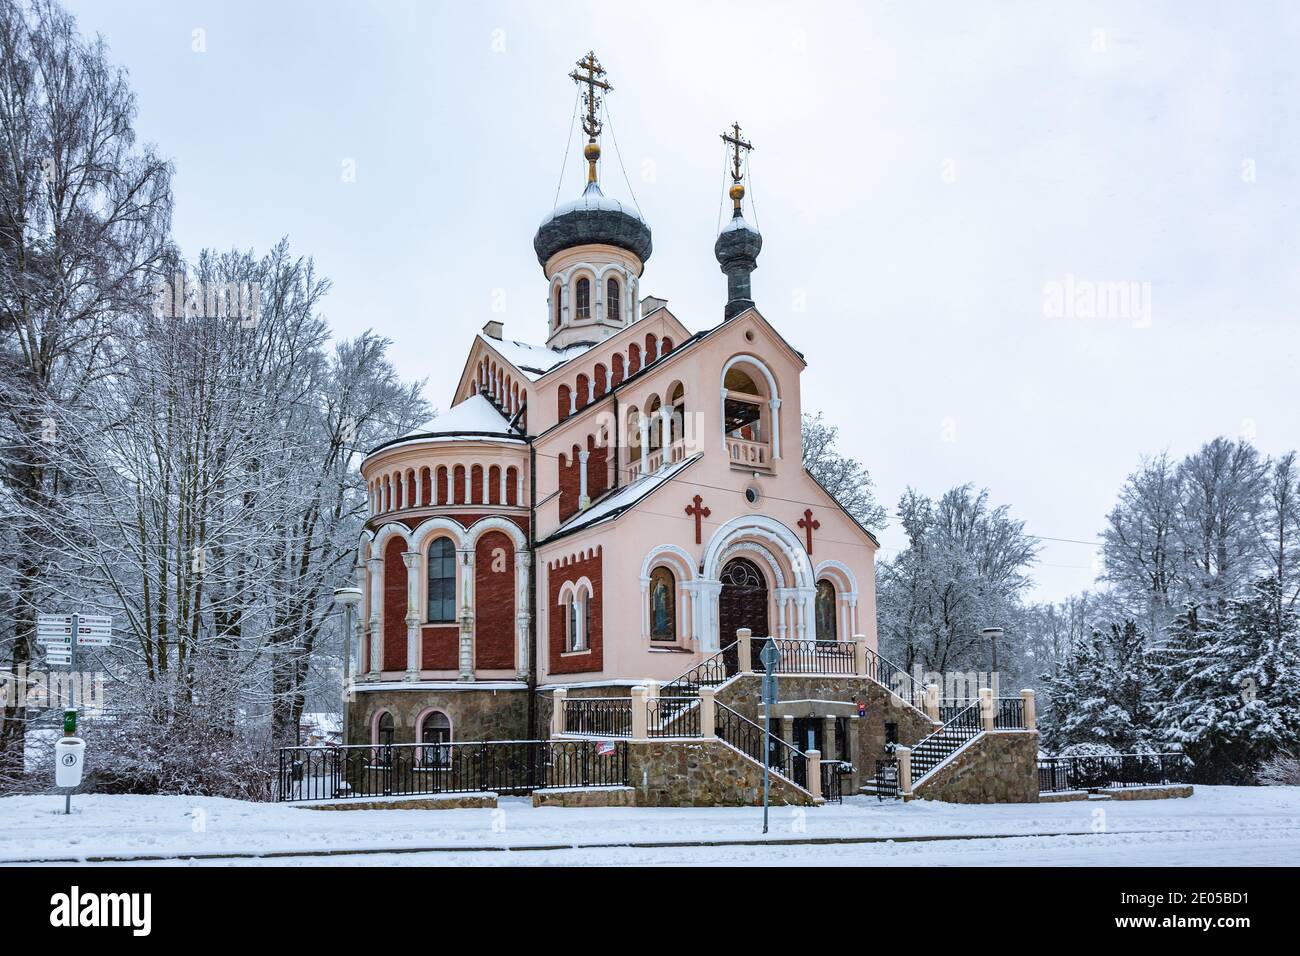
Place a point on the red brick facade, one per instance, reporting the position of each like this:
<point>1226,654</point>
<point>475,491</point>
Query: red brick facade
<point>440,647</point>
<point>394,606</point>
<point>586,564</point>
<point>494,601</point>
<point>570,468</point>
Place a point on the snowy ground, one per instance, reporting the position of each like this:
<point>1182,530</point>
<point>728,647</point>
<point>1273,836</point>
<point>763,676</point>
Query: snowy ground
<point>1218,826</point>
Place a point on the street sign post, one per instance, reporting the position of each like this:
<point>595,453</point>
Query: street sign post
<point>62,634</point>
<point>771,658</point>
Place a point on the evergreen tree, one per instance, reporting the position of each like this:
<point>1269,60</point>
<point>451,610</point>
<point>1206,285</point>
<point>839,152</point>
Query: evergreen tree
<point>1232,690</point>
<point>1105,693</point>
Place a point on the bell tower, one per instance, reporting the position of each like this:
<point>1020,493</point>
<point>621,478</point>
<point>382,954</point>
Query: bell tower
<point>594,249</point>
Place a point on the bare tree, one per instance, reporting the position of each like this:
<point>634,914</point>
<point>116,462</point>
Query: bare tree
<point>84,214</point>
<point>845,479</point>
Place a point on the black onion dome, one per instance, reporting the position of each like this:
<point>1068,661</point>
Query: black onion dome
<point>738,241</point>
<point>592,219</point>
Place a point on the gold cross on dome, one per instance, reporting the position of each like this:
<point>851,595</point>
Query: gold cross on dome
<point>737,144</point>
<point>591,99</point>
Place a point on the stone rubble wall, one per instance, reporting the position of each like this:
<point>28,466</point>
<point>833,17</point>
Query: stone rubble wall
<point>996,767</point>
<point>702,773</point>
<point>592,797</point>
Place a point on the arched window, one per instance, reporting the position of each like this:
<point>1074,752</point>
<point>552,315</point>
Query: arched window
<point>826,618</point>
<point>384,729</point>
<point>663,605</point>
<point>583,290</point>
<point>613,306</point>
<point>442,581</point>
<point>743,406</point>
<point>577,621</point>
<point>435,729</point>
<point>557,307</point>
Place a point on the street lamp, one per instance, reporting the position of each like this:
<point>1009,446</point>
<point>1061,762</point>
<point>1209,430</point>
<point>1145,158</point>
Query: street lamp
<point>346,598</point>
<point>994,634</point>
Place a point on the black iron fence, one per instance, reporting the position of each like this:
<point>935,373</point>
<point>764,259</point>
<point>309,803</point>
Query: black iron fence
<point>1009,713</point>
<point>496,766</point>
<point>902,683</point>
<point>812,657</point>
<point>930,751</point>
<point>886,779</point>
<point>833,774</point>
<point>707,673</point>
<point>598,716</point>
<point>748,737</point>
<point>673,717</point>
<point>1056,774</point>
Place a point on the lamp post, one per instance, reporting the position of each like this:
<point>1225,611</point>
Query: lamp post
<point>993,634</point>
<point>347,599</point>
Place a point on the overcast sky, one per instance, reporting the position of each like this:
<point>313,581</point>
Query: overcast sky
<point>928,178</point>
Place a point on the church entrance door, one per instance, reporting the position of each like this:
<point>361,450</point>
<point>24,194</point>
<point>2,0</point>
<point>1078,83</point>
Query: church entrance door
<point>742,603</point>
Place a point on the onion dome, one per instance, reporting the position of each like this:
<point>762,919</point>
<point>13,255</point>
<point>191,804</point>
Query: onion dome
<point>737,248</point>
<point>589,220</point>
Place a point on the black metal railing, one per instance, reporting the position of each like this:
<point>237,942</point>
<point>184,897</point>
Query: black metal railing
<point>833,774</point>
<point>748,737</point>
<point>598,716</point>
<point>709,672</point>
<point>1008,713</point>
<point>673,717</point>
<point>930,751</point>
<point>1056,774</point>
<point>813,657</point>
<point>890,675</point>
<point>886,779</point>
<point>495,766</point>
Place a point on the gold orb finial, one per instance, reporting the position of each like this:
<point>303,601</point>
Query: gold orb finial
<point>737,192</point>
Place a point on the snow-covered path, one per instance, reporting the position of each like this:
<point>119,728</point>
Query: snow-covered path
<point>1217,826</point>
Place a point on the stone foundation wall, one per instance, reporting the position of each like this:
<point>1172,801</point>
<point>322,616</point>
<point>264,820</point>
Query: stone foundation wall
<point>593,797</point>
<point>996,767</point>
<point>866,734</point>
<point>474,714</point>
<point>449,801</point>
<point>701,773</point>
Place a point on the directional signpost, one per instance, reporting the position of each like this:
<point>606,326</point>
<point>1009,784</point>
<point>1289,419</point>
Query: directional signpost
<point>62,634</point>
<point>771,658</point>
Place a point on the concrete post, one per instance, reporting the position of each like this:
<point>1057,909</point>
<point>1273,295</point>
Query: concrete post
<point>828,739</point>
<point>987,712</point>
<point>708,712</point>
<point>932,702</point>
<point>651,689</point>
<point>640,723</point>
<point>904,757</point>
<point>1031,716</point>
<point>557,715</point>
<point>787,730</point>
<point>744,649</point>
<point>815,774</point>
<point>860,655</point>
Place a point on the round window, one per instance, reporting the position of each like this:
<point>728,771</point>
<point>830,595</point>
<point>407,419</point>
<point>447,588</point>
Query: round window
<point>752,494</point>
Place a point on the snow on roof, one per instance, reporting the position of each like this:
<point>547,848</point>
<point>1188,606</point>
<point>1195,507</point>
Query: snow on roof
<point>736,223</point>
<point>624,498</point>
<point>533,360</point>
<point>592,199</point>
<point>475,414</point>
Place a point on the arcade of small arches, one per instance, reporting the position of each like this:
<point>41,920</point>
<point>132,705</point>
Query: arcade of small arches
<point>498,385</point>
<point>587,387</point>
<point>588,293</point>
<point>422,585</point>
<point>432,726</point>
<point>432,486</point>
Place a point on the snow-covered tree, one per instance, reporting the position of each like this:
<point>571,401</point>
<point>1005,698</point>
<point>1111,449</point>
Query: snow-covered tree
<point>1104,693</point>
<point>1231,688</point>
<point>84,217</point>
<point>964,568</point>
<point>845,479</point>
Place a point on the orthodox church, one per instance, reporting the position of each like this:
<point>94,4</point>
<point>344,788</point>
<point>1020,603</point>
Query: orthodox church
<point>604,508</point>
